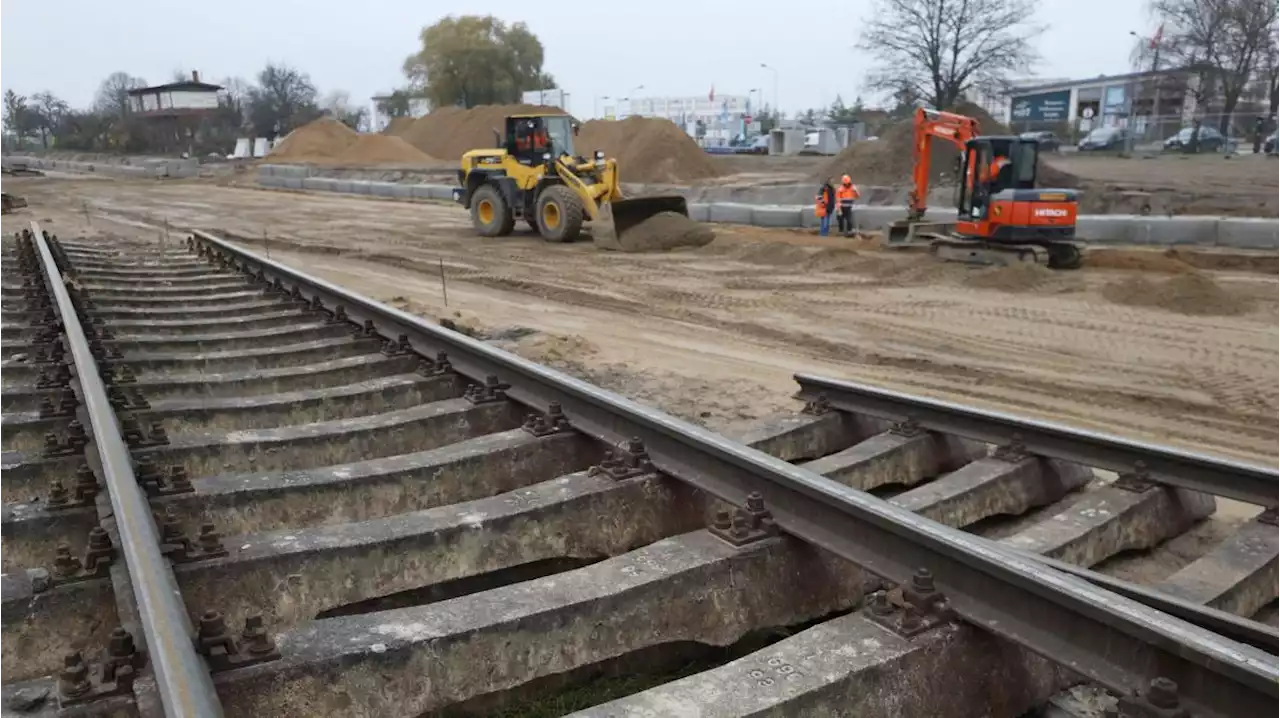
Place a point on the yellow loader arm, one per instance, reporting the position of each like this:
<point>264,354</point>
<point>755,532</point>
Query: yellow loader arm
<point>610,213</point>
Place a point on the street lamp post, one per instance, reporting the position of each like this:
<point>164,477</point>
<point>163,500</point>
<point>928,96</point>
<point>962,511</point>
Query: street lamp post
<point>630,109</point>
<point>595,111</point>
<point>777,110</point>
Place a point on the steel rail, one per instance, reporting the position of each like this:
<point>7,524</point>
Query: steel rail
<point>1250,483</point>
<point>1105,637</point>
<point>182,679</point>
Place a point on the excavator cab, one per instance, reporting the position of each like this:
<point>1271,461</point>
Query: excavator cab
<point>982,179</point>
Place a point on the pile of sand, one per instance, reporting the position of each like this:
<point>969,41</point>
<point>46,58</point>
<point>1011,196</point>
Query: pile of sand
<point>647,149</point>
<point>449,132</point>
<point>327,141</point>
<point>381,150</point>
<point>667,230</point>
<point>1188,293</point>
<point>321,140</point>
<point>1020,277</point>
<point>397,126</point>
<point>889,160</point>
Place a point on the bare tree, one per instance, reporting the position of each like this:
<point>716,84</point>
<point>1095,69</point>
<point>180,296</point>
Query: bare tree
<point>284,99</point>
<point>1222,42</point>
<point>940,50</point>
<point>113,94</point>
<point>49,111</point>
<point>337,104</point>
<point>19,117</point>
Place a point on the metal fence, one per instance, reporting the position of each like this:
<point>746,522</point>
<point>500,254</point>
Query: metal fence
<point>1160,132</point>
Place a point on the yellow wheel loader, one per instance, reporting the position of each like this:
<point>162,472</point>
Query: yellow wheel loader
<point>534,175</point>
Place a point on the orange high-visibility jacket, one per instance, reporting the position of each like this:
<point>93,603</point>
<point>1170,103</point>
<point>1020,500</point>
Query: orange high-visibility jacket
<point>822,201</point>
<point>846,195</point>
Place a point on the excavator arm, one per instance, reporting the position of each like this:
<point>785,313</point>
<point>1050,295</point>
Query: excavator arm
<point>931,124</point>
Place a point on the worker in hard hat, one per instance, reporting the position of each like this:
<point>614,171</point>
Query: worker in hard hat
<point>845,196</point>
<point>824,206</point>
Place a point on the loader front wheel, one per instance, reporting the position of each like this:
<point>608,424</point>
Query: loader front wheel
<point>490,214</point>
<point>559,214</point>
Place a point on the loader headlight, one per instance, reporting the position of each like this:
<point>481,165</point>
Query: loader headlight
<point>546,156</point>
<point>599,154</point>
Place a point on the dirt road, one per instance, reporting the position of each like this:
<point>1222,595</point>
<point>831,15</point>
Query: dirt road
<point>715,334</point>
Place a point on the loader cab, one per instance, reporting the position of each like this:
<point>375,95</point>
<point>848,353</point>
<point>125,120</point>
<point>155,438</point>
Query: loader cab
<point>530,138</point>
<point>979,184</point>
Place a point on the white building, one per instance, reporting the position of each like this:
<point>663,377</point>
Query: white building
<point>175,97</point>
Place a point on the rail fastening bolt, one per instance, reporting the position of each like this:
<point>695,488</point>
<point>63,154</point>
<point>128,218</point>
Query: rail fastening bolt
<point>741,525</point>
<point>120,643</point>
<point>212,625</point>
<point>722,520</point>
<point>99,539</point>
<point>255,636</point>
<point>73,681</point>
<point>1163,693</point>
<point>922,580</point>
<point>58,496</point>
<point>880,604</point>
<point>64,564</point>
<point>210,540</point>
<point>755,502</point>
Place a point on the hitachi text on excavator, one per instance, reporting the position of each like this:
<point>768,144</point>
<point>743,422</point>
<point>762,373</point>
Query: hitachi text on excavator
<point>1002,217</point>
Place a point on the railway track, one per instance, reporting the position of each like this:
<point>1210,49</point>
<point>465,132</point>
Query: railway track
<point>232,489</point>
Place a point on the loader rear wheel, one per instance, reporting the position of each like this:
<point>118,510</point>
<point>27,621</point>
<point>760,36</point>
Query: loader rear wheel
<point>559,214</point>
<point>490,214</point>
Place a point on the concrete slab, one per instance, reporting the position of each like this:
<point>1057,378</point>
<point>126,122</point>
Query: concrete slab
<point>1113,519</point>
<point>993,487</point>
<point>1249,233</point>
<point>1172,230</point>
<point>344,186</point>
<point>776,216</point>
<point>693,587</point>
<point>292,183</point>
<point>30,530</point>
<point>1238,576</point>
<point>1104,229</point>
<point>699,212</point>
<point>270,181</point>
<point>797,437</point>
<point>420,191</point>
<point>293,448</point>
<point>47,625</point>
<point>318,184</point>
<point>382,189</point>
<point>401,191</point>
<point>373,488</point>
<point>730,213</point>
<point>331,566</point>
<point>440,192</point>
<point>852,666</point>
<point>896,458</point>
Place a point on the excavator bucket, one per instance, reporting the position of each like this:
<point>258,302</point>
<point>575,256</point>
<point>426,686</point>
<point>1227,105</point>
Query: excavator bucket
<point>616,219</point>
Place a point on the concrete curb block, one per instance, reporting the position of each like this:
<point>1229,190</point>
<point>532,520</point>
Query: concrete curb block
<point>382,189</point>
<point>319,184</point>
<point>700,212</point>
<point>777,216</point>
<point>419,191</point>
<point>1248,233</point>
<point>730,213</point>
<point>291,182</point>
<point>439,191</point>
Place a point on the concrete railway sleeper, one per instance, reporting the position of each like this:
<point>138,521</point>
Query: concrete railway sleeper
<point>358,510</point>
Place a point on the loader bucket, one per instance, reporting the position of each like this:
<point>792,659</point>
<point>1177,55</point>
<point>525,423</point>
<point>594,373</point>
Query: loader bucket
<point>609,230</point>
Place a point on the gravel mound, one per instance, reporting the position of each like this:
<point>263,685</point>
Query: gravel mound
<point>666,230</point>
<point>647,149</point>
<point>1189,293</point>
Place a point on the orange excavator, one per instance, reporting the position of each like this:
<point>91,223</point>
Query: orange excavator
<point>1002,217</point>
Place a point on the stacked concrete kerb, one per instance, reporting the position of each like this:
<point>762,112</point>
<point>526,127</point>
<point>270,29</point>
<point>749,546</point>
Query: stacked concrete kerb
<point>127,167</point>
<point>1171,230</point>
<point>731,213</point>
<point>780,216</point>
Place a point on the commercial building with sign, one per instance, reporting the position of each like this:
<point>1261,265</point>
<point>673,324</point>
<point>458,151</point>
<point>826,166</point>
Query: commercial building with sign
<point>1151,104</point>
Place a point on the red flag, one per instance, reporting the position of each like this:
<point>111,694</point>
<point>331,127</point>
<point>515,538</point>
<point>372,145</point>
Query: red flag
<point>711,96</point>
<point>1155,41</point>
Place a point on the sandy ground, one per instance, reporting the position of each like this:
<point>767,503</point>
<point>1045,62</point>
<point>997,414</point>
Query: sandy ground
<point>715,334</point>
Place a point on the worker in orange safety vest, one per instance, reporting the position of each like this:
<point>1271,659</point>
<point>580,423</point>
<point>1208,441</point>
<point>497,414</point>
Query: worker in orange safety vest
<point>824,206</point>
<point>845,196</point>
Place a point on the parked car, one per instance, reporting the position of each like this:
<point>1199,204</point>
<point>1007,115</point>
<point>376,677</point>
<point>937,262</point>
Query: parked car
<point>1210,140</point>
<point>1104,139</point>
<point>1269,145</point>
<point>1048,141</point>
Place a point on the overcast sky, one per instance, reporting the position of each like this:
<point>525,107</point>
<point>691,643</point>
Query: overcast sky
<point>672,47</point>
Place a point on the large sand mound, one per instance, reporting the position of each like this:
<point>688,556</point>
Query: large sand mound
<point>888,160</point>
<point>381,150</point>
<point>323,139</point>
<point>449,132</point>
<point>647,149</point>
